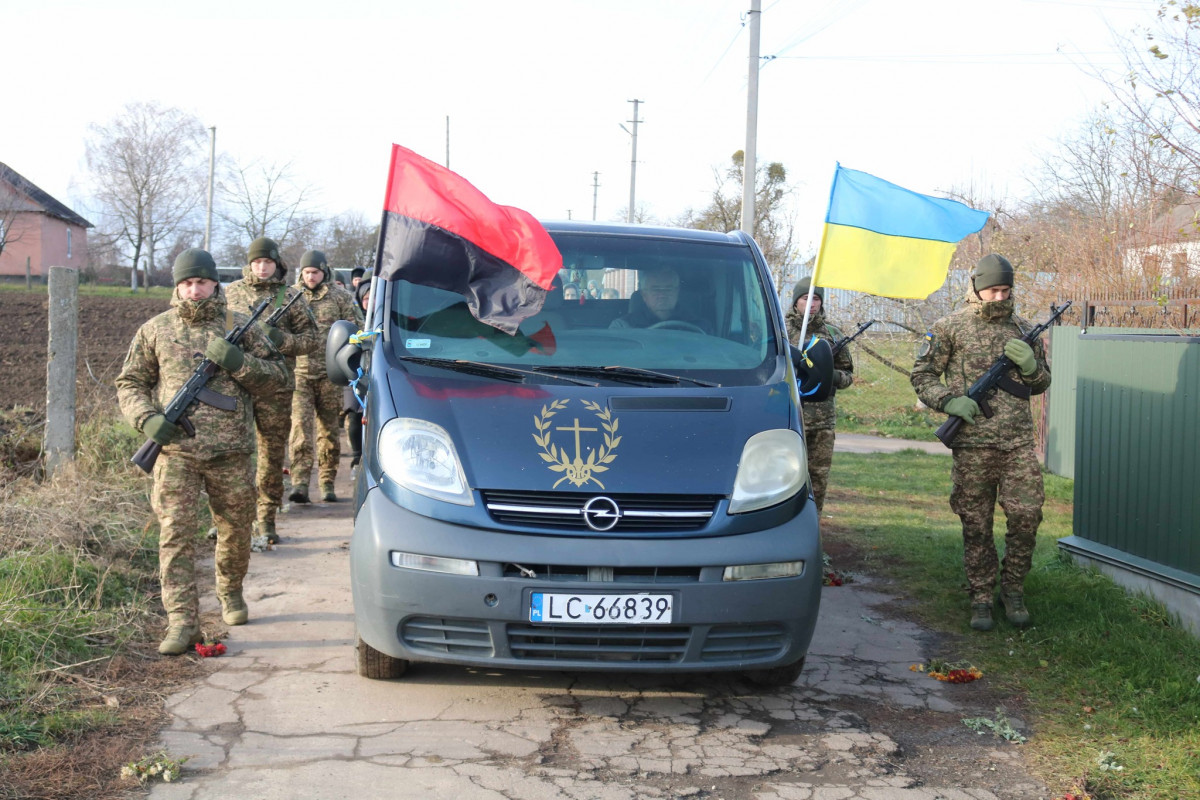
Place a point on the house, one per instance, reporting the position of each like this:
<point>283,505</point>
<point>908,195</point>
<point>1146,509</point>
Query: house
<point>37,229</point>
<point>1169,249</point>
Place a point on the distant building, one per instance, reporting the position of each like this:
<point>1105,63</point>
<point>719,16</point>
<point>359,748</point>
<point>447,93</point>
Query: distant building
<point>1169,249</point>
<point>35,227</point>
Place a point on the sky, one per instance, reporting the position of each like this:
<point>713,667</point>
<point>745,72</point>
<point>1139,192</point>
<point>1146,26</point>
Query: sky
<point>528,99</point>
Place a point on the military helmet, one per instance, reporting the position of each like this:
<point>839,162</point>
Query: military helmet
<point>802,287</point>
<point>194,262</point>
<point>316,259</point>
<point>992,270</point>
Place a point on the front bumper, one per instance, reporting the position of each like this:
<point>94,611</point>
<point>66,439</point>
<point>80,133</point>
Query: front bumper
<point>484,620</point>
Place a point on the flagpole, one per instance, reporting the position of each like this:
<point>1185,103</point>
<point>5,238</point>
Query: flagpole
<point>817,264</point>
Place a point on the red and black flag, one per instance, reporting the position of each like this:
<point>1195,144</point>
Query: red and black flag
<point>440,231</point>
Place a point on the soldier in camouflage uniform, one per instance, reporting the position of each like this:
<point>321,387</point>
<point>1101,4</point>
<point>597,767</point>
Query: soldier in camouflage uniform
<point>819,418</point>
<point>315,393</point>
<point>162,357</point>
<point>295,334</point>
<point>993,458</point>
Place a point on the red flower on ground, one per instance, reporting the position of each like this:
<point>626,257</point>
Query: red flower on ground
<point>210,650</point>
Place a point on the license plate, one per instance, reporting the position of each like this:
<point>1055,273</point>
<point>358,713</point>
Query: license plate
<point>602,609</point>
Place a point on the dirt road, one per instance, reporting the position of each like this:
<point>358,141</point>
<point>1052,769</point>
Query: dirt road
<point>284,715</point>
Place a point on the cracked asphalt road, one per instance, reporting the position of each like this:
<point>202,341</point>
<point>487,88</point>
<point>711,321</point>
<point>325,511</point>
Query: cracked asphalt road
<point>285,715</point>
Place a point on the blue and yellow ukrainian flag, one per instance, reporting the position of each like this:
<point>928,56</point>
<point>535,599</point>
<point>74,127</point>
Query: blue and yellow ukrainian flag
<point>883,239</point>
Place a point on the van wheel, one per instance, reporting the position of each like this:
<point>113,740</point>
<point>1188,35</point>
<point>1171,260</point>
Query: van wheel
<point>776,676</point>
<point>376,665</point>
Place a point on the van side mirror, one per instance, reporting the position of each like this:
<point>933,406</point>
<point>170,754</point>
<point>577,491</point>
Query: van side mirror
<point>815,381</point>
<point>341,357</point>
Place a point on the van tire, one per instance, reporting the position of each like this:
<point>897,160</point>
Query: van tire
<point>376,665</point>
<point>776,676</point>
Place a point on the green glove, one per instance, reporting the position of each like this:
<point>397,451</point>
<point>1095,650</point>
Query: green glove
<point>275,335</point>
<point>228,357</point>
<point>963,407</point>
<point>1021,354</point>
<point>161,431</point>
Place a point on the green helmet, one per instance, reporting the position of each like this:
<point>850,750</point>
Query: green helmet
<point>316,259</point>
<point>992,270</point>
<point>194,263</point>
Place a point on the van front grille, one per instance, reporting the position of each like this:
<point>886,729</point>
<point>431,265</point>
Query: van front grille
<point>639,513</point>
<point>448,636</point>
<point>636,643</point>
<point>743,642</point>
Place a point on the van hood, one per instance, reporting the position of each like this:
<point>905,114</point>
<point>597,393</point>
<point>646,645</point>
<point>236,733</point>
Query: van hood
<point>611,439</point>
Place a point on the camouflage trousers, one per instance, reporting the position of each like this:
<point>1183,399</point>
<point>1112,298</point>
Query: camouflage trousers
<point>178,481</point>
<point>272,424</point>
<point>319,397</point>
<point>819,444</point>
<point>983,475</point>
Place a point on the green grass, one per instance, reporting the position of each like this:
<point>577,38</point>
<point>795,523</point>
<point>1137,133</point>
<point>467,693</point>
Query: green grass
<point>75,589</point>
<point>881,401</point>
<point>1108,678</point>
<point>107,290</point>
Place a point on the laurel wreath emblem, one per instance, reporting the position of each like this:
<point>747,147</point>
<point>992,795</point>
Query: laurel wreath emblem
<point>577,470</point>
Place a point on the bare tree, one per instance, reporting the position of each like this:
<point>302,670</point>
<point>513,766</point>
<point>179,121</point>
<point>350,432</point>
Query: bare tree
<point>1160,86</point>
<point>148,172</point>
<point>349,241</point>
<point>265,200</point>
<point>774,221</point>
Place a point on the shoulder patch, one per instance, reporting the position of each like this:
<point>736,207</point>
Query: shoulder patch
<point>926,344</point>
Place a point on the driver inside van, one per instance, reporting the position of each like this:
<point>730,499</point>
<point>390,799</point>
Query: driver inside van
<point>656,301</point>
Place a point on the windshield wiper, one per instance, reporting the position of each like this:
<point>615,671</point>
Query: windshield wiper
<point>631,374</point>
<point>489,370</point>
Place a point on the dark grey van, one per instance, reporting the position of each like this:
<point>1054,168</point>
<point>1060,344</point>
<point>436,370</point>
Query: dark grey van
<point>620,486</point>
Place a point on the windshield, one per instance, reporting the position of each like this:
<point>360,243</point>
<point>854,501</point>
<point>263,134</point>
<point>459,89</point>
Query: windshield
<point>689,308</point>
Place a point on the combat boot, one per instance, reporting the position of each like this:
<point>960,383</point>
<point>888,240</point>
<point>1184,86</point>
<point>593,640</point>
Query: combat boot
<point>233,609</point>
<point>327,495</point>
<point>267,529</point>
<point>1014,608</point>
<point>981,616</point>
<point>180,638</point>
<point>299,494</point>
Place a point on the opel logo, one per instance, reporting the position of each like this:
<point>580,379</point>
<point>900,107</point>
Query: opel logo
<point>601,513</point>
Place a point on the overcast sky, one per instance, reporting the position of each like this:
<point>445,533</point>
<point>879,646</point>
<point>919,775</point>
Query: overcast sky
<point>932,94</point>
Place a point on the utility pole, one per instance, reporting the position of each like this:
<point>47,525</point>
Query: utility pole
<point>447,141</point>
<point>212,157</point>
<point>595,192</point>
<point>632,161</point>
<point>749,164</point>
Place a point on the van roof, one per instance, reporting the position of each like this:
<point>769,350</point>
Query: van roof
<point>648,231</point>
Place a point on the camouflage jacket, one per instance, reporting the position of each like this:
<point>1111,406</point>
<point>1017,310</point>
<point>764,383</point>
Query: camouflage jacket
<point>164,354</point>
<point>960,348</point>
<point>823,415</point>
<point>299,326</point>
<point>329,303</point>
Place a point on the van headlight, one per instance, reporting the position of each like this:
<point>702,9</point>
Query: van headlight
<point>773,467</point>
<point>420,456</point>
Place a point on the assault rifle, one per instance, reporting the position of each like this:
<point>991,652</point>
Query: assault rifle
<point>996,377</point>
<point>845,340</point>
<point>278,313</point>
<point>196,390</point>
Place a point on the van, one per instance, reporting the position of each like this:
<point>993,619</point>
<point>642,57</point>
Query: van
<point>619,486</point>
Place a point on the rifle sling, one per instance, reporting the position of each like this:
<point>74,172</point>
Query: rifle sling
<point>1014,388</point>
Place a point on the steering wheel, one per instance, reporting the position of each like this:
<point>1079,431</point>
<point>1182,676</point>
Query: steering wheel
<point>677,325</point>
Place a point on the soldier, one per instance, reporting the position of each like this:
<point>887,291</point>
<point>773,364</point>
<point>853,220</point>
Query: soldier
<point>819,418</point>
<point>992,457</point>
<point>314,390</point>
<point>351,400</point>
<point>294,335</point>
<point>161,359</point>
